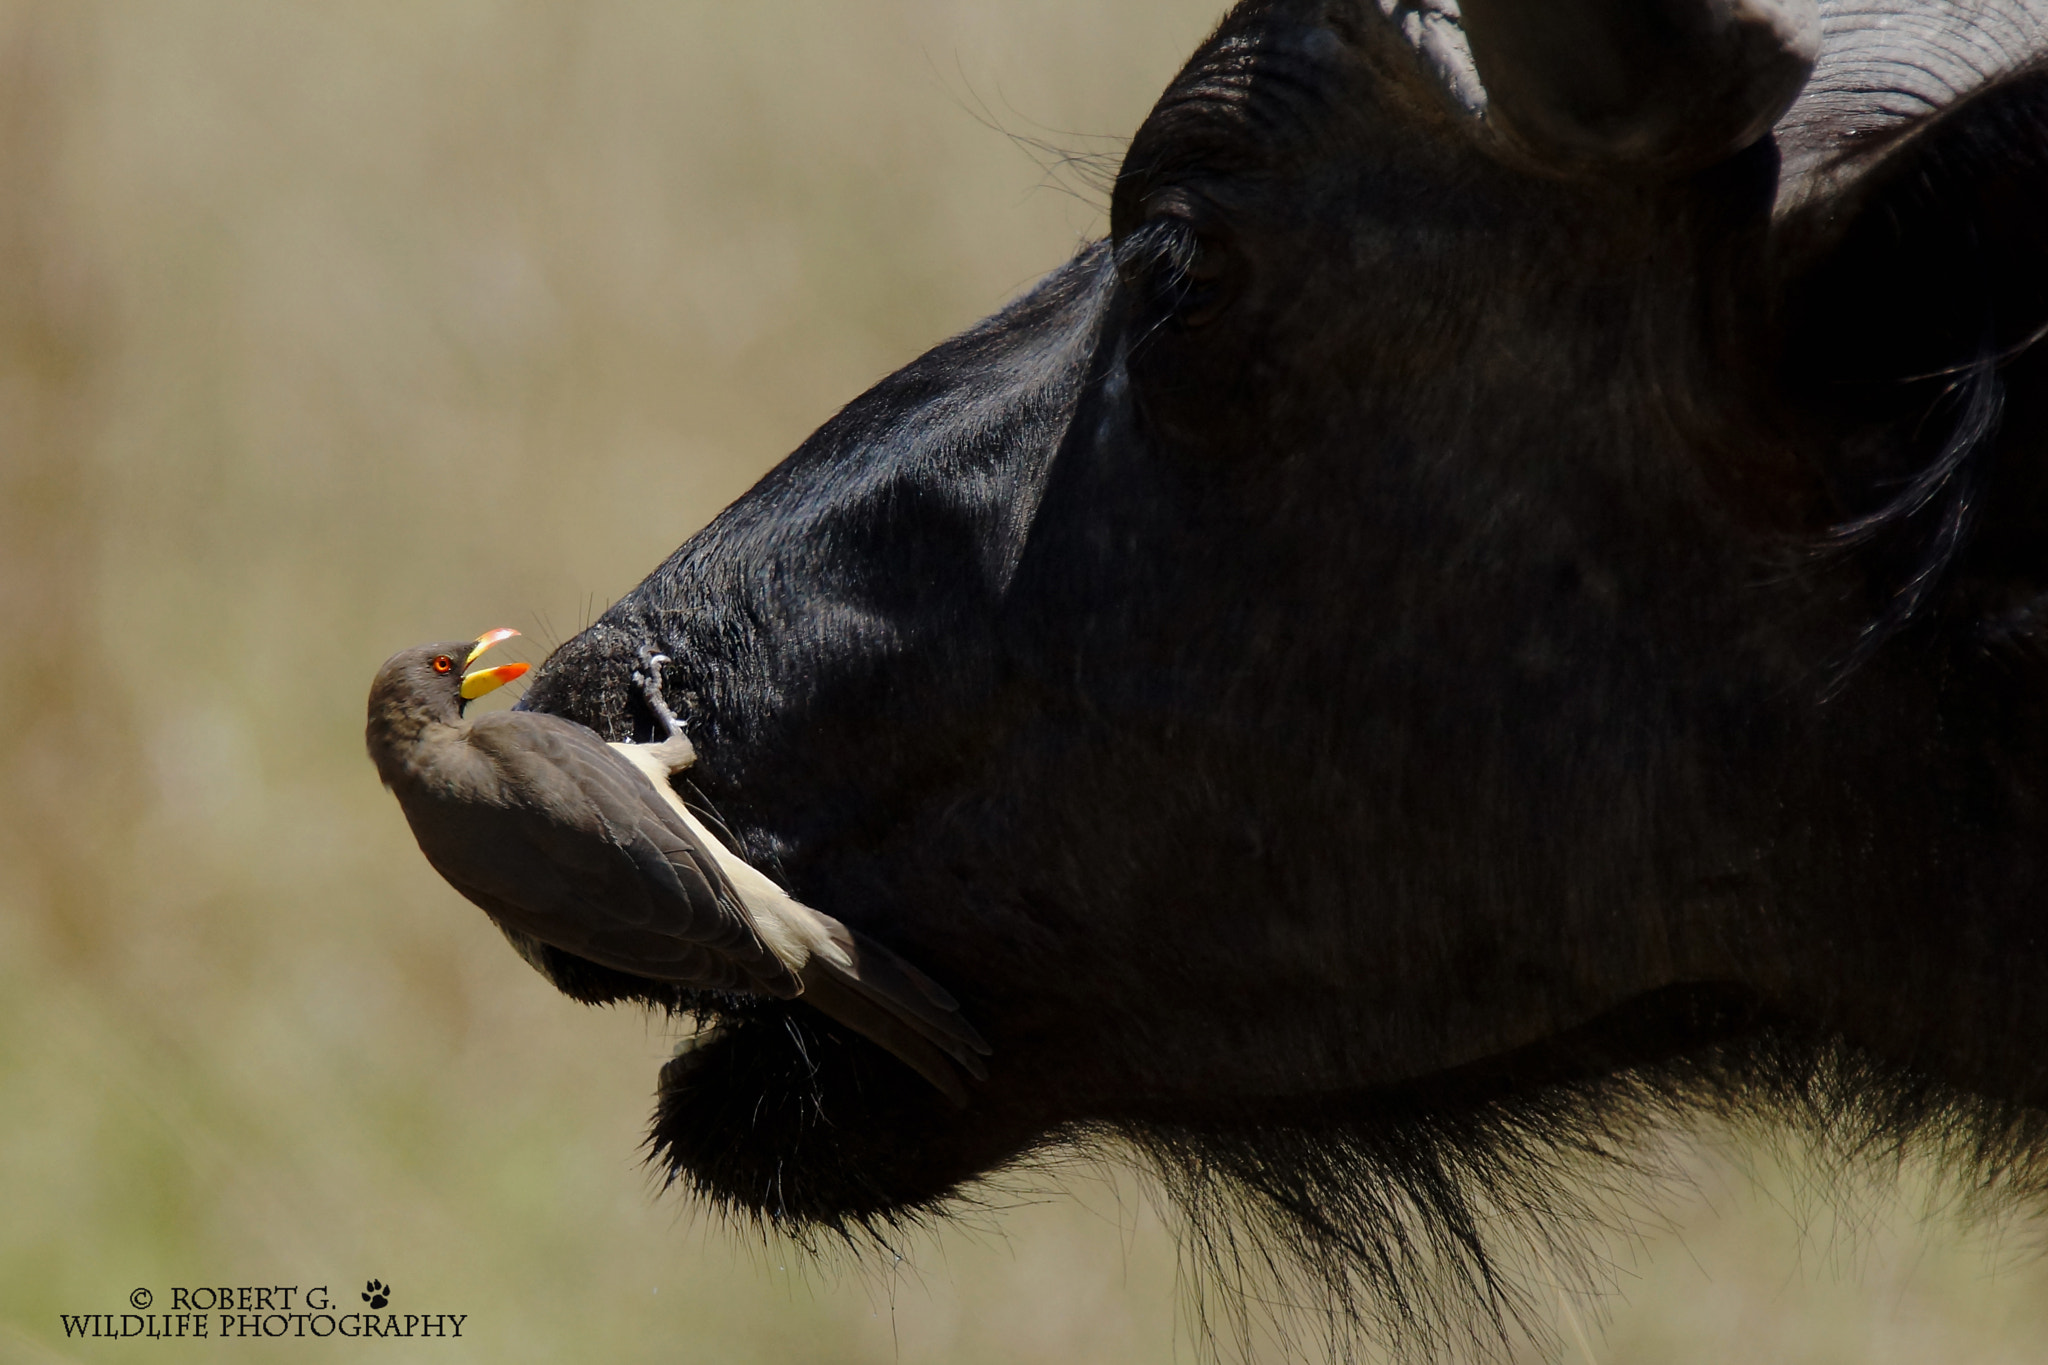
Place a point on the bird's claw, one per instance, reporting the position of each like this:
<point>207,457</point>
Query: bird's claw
<point>647,677</point>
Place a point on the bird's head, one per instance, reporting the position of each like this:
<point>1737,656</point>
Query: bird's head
<point>434,682</point>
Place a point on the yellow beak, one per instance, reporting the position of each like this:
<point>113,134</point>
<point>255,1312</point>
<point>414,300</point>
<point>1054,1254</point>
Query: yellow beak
<point>484,680</point>
<point>488,640</point>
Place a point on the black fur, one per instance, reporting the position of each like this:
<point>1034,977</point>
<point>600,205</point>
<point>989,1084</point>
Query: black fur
<point>1396,674</point>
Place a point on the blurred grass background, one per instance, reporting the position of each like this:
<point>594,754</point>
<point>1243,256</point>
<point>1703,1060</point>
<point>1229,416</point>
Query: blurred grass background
<point>326,329</point>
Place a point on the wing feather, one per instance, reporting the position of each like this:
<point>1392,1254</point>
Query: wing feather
<point>568,841</point>
<point>574,847</point>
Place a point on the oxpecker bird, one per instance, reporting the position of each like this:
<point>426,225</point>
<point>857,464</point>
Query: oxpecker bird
<point>566,840</point>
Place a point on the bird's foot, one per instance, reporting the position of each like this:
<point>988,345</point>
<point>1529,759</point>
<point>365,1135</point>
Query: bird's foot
<point>647,677</point>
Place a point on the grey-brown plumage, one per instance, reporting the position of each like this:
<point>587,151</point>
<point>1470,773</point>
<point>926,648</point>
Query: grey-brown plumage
<point>566,840</point>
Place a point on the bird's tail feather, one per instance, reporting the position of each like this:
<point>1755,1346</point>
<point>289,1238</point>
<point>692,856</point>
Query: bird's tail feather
<point>878,994</point>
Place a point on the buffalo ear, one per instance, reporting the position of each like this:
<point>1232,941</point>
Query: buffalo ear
<point>1913,298</point>
<point>1642,88</point>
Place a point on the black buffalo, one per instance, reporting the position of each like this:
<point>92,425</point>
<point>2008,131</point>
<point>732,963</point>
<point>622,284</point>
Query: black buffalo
<point>1508,599</point>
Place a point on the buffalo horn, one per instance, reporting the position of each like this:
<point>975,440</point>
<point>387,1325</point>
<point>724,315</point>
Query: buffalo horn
<point>1639,87</point>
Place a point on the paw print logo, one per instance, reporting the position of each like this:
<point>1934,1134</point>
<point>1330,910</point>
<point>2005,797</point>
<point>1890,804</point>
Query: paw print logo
<point>376,1293</point>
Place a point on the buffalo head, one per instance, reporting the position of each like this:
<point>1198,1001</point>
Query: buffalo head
<point>1509,591</point>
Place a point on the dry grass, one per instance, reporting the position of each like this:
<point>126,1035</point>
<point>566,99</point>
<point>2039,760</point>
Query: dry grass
<point>328,328</point>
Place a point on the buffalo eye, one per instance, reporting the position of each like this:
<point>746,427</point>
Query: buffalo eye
<point>1183,268</point>
<point>1209,277</point>
<point>443,664</point>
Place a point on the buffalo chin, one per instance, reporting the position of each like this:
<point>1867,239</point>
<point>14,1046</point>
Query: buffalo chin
<point>777,1115</point>
<point>781,1118</point>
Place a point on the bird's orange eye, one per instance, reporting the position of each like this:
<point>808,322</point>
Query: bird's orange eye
<point>443,664</point>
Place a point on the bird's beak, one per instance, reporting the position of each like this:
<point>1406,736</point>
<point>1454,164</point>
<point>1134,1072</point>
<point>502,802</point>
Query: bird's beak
<point>490,639</point>
<point>484,680</point>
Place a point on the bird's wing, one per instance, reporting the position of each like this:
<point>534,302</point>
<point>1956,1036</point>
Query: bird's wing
<point>845,974</point>
<point>582,851</point>
<point>873,991</point>
<point>575,848</point>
